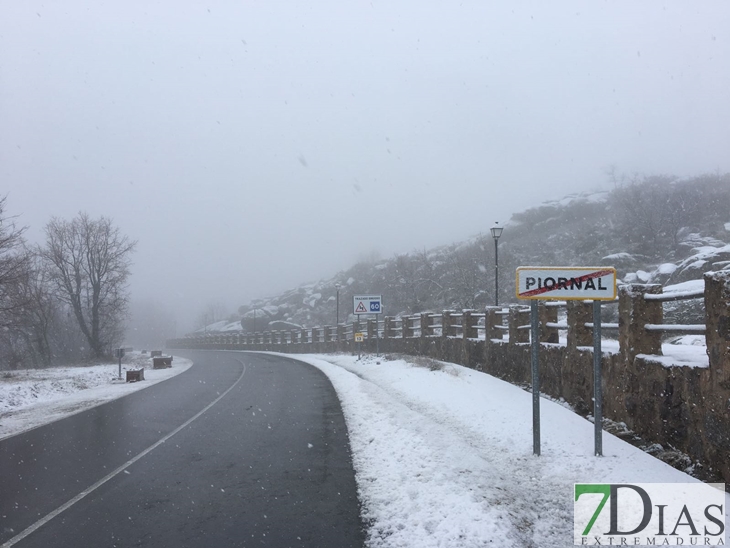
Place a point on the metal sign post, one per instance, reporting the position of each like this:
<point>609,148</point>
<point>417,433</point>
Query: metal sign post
<point>596,283</point>
<point>120,354</point>
<point>377,336</point>
<point>535,358</point>
<point>358,340</point>
<point>369,304</point>
<point>597,388</point>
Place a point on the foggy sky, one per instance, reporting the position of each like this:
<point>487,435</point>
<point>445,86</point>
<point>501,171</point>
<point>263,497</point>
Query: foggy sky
<point>252,146</point>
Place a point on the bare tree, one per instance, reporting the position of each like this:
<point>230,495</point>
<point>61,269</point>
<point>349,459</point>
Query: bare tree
<point>13,303</point>
<point>13,267</point>
<point>40,310</point>
<point>88,263</point>
<point>465,277</point>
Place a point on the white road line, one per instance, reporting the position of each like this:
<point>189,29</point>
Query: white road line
<point>41,522</point>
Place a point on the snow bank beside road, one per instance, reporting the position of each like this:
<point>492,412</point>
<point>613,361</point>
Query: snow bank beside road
<point>32,397</point>
<point>444,458</point>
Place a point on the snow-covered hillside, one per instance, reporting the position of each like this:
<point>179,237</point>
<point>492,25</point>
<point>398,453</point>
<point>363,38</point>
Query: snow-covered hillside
<point>654,231</point>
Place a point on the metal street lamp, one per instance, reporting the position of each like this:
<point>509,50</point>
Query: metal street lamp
<point>496,233</point>
<point>338,286</point>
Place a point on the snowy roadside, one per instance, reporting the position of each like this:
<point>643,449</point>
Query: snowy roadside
<point>444,458</point>
<point>32,397</point>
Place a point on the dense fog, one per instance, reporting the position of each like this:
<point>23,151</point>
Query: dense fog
<point>249,147</point>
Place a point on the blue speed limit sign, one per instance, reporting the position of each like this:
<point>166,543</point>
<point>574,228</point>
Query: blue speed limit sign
<point>367,304</point>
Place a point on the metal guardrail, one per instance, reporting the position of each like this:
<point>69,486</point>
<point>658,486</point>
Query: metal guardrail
<point>675,297</point>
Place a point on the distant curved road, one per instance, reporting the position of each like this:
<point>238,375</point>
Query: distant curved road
<point>242,450</point>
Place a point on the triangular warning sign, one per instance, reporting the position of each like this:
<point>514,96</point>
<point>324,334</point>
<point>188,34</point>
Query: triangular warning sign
<point>360,309</point>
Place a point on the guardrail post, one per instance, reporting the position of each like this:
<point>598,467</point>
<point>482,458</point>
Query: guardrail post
<point>387,321</point>
<point>356,328</point>
<point>446,322</point>
<point>468,326</point>
<point>425,325</point>
<point>341,333</point>
<point>372,327</point>
<point>407,324</point>
<point>547,314</point>
<point>515,319</point>
<point>717,320</point>
<point>491,321</point>
<point>634,312</point>
<point>579,314</point>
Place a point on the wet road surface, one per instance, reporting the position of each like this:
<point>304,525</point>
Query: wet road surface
<point>242,449</point>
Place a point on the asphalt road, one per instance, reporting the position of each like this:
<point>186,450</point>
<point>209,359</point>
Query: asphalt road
<point>240,450</point>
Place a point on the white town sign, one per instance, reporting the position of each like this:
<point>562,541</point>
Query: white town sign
<point>565,283</point>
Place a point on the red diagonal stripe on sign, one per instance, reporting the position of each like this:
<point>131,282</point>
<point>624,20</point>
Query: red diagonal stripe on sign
<point>585,277</point>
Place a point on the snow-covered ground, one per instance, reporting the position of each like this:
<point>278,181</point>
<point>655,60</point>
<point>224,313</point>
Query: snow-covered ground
<point>443,457</point>
<point>33,397</point>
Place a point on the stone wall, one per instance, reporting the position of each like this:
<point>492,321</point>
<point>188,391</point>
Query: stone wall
<point>682,407</point>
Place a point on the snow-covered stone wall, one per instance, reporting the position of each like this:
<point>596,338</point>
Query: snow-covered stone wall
<point>680,400</point>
